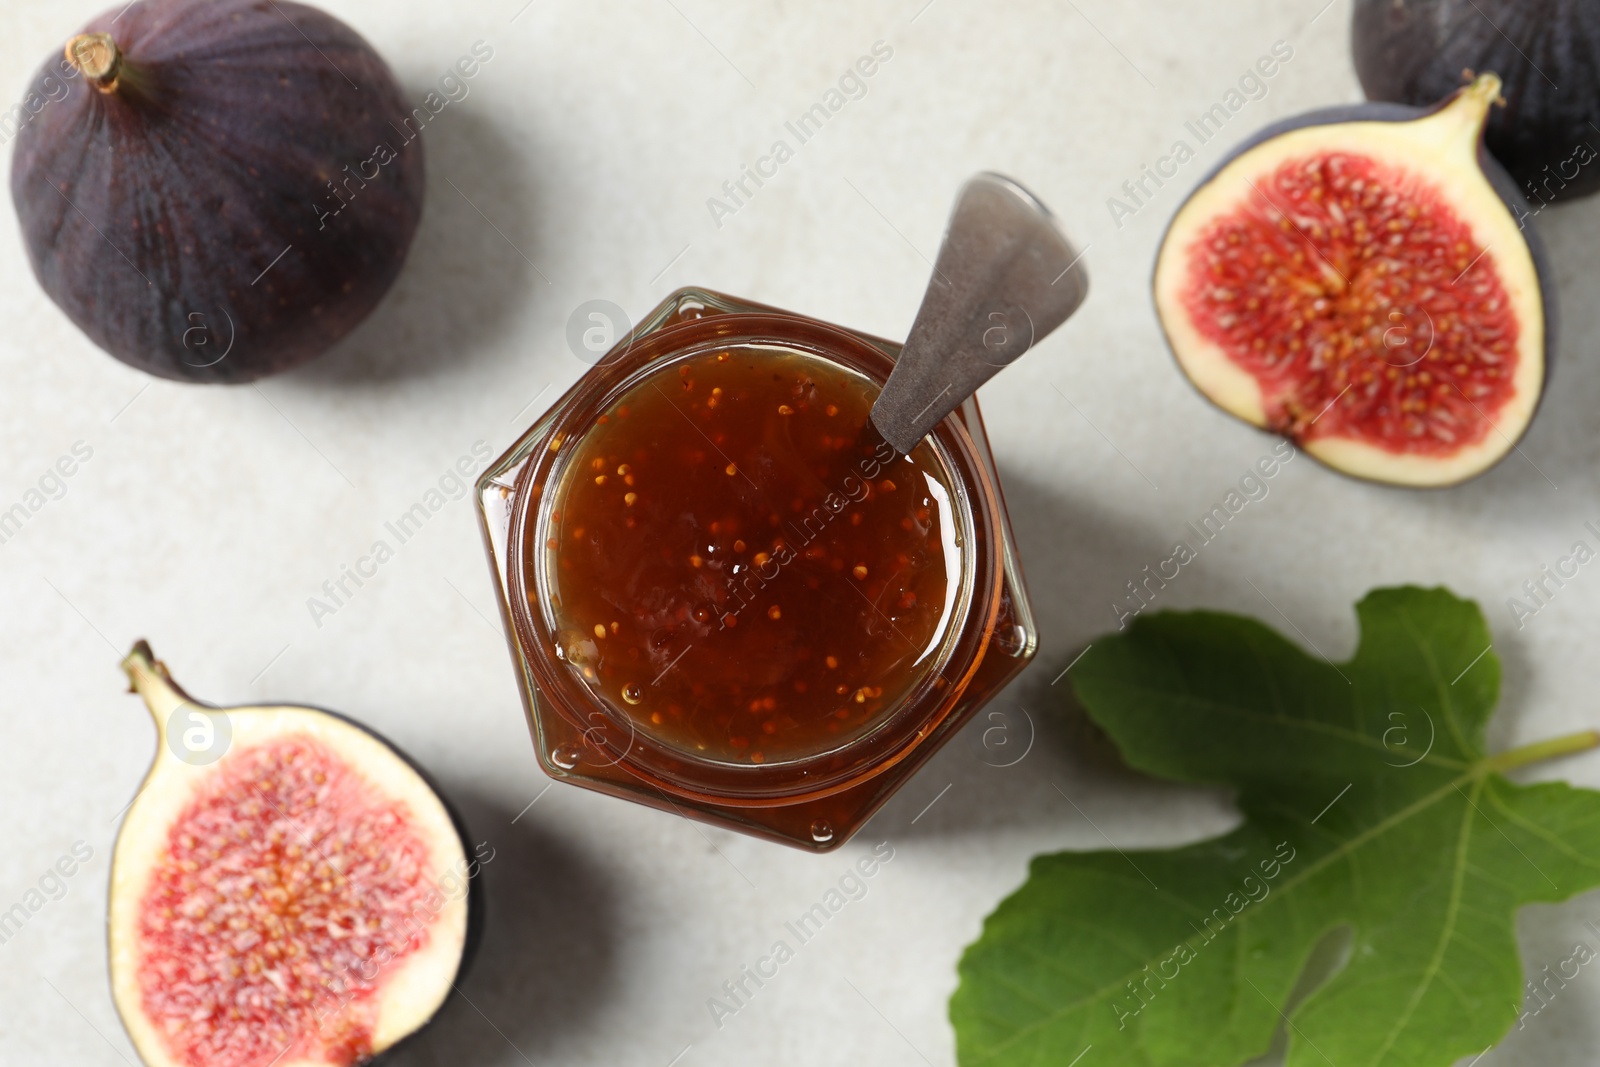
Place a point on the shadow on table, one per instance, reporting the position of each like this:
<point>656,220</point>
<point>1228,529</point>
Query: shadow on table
<point>1027,756</point>
<point>470,271</point>
<point>548,956</point>
<point>1025,753</point>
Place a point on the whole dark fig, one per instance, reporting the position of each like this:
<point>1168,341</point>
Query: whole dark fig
<point>1547,52</point>
<point>215,190</point>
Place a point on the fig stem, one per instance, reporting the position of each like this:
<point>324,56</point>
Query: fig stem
<point>99,59</point>
<point>1539,751</point>
<point>1482,93</point>
<point>149,678</point>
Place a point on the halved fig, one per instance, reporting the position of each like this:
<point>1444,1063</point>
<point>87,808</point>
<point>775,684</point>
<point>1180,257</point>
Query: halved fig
<point>1355,279</point>
<point>286,889</point>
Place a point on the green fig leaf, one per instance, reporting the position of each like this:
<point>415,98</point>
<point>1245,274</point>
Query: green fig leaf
<point>1369,806</point>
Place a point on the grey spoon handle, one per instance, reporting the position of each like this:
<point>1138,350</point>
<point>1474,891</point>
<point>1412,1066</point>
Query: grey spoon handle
<point>1005,277</point>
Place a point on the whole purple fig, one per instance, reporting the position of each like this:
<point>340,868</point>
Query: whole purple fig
<point>215,190</point>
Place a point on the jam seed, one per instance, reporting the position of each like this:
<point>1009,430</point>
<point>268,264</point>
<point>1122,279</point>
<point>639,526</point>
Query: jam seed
<point>860,571</point>
<point>832,662</point>
<point>629,498</point>
<point>600,479</point>
<point>774,612</point>
<point>785,409</point>
<point>730,470</point>
<point>738,546</point>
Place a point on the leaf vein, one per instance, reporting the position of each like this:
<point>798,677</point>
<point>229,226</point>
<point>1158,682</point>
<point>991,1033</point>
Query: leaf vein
<point>1446,933</point>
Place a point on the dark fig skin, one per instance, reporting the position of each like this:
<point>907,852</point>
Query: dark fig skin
<point>1547,53</point>
<point>186,218</point>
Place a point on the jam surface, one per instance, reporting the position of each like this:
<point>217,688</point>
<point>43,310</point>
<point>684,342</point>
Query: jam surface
<point>739,566</point>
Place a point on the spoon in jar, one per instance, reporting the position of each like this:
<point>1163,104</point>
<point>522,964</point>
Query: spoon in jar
<point>1005,277</point>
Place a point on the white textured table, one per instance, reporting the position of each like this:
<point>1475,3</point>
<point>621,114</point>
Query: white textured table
<point>206,517</point>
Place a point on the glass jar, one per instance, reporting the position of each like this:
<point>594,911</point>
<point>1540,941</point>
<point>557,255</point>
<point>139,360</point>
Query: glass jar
<point>661,700</point>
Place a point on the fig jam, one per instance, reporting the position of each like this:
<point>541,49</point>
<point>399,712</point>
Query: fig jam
<point>740,566</point>
<point>727,597</point>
